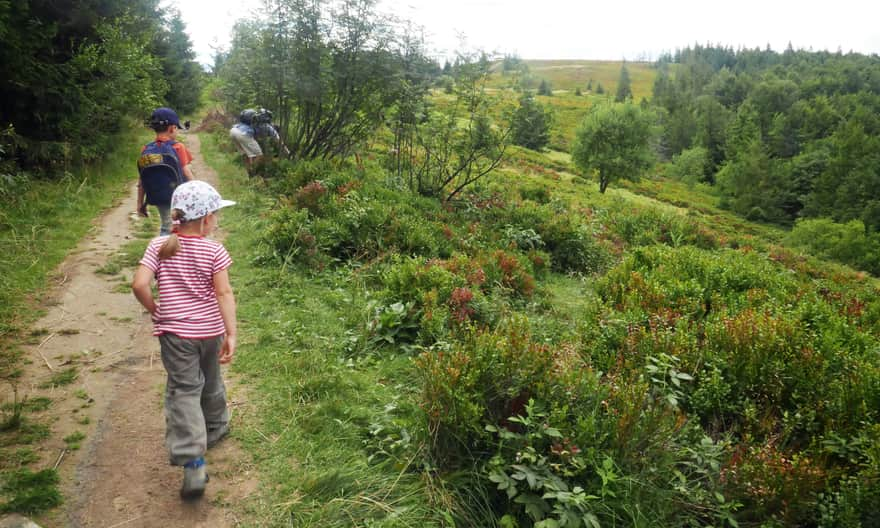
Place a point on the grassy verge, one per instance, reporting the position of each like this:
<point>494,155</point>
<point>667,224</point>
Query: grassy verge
<point>38,229</point>
<point>316,410</point>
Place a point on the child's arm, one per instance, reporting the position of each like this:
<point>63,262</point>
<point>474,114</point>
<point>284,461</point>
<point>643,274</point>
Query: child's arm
<point>188,172</point>
<point>226,302</point>
<point>140,286</point>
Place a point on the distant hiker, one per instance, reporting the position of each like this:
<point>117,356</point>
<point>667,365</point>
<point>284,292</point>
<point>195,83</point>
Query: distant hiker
<point>195,321</point>
<point>163,165</point>
<point>253,125</point>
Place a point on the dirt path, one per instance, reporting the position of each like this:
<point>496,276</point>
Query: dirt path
<point>120,476</point>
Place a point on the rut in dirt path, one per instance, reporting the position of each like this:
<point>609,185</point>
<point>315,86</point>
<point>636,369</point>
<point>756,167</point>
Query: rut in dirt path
<point>121,475</point>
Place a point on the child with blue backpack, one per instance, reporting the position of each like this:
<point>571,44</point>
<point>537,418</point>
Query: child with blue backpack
<point>163,165</point>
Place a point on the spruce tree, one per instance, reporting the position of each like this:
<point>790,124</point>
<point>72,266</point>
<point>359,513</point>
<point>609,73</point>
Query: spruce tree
<point>530,124</point>
<point>544,88</point>
<point>624,90</point>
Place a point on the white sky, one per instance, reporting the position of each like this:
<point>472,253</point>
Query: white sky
<point>571,29</point>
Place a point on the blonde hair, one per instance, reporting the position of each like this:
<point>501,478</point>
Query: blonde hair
<point>172,243</point>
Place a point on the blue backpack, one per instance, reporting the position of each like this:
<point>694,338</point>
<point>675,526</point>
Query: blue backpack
<point>160,172</point>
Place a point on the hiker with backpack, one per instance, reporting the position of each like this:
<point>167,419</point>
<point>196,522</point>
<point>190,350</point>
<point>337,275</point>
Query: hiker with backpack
<point>252,126</point>
<point>163,165</point>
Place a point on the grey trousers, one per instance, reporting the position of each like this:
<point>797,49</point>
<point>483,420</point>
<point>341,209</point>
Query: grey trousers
<point>195,396</point>
<point>165,217</point>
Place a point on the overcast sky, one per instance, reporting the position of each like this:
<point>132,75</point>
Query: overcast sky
<point>572,29</point>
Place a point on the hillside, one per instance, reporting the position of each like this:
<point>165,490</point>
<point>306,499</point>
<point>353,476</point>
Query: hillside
<point>478,294</point>
<point>636,342</point>
<point>568,75</point>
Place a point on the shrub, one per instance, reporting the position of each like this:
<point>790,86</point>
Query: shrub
<point>536,193</point>
<point>290,236</point>
<point>690,166</point>
<point>847,243</point>
<point>310,196</point>
<point>573,245</point>
<point>287,177</point>
<point>484,378</point>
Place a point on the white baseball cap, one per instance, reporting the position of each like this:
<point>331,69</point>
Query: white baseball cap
<point>196,199</point>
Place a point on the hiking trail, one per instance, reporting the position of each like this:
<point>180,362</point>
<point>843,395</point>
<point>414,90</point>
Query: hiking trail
<point>120,476</point>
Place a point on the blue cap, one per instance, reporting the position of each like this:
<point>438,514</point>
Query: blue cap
<point>165,116</point>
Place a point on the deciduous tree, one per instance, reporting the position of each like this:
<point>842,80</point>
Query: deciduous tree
<point>615,140</point>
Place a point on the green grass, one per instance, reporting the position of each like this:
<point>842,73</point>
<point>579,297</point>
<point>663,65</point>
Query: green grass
<point>28,492</point>
<point>313,406</point>
<point>568,75</point>
<point>61,378</point>
<point>40,403</point>
<point>17,458</point>
<point>316,406</point>
<point>130,253</point>
<point>40,227</point>
<point>37,231</point>
<point>74,440</point>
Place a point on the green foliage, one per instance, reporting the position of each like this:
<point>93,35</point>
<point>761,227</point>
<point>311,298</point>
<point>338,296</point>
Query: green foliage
<point>686,386</point>
<point>848,243</point>
<point>72,75</point>
<point>130,81</point>
<point>179,68</point>
<point>544,88</point>
<point>535,480</point>
<point>756,186</point>
<point>329,70</point>
<point>573,245</point>
<point>614,140</point>
<point>624,88</point>
<point>73,440</point>
<point>690,166</point>
<point>445,152</point>
<point>481,379</point>
<point>788,135</point>
<point>530,124</point>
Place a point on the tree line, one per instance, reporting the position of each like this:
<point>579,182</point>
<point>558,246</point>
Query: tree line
<point>71,72</point>
<point>782,135</point>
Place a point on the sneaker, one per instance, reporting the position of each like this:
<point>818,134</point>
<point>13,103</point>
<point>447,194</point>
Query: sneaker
<point>195,477</point>
<point>218,434</point>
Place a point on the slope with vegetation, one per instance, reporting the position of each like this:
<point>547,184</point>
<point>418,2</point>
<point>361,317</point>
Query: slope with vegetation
<point>442,329</point>
<point>442,336</point>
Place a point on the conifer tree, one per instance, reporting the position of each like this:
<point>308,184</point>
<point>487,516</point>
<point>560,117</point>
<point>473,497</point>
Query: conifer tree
<point>544,88</point>
<point>624,89</point>
<point>530,124</point>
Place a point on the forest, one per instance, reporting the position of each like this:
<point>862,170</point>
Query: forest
<point>487,291</point>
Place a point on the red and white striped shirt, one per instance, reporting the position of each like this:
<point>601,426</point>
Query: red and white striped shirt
<point>187,302</point>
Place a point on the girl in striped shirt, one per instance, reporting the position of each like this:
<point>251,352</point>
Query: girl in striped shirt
<point>195,322</point>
